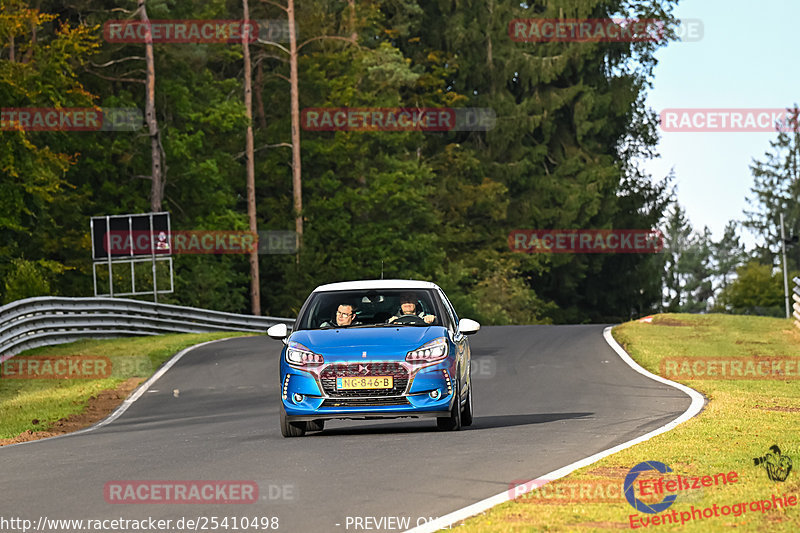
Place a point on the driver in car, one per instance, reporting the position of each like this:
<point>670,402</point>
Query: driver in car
<point>408,307</point>
<point>345,315</point>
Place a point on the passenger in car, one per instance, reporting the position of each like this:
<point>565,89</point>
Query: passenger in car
<point>408,307</point>
<point>345,315</point>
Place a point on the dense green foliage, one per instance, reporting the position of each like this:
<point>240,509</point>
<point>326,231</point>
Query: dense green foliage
<point>776,189</point>
<point>757,290</point>
<point>571,123</point>
<point>759,286</point>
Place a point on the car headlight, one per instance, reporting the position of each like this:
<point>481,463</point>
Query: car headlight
<point>432,351</point>
<point>299,355</point>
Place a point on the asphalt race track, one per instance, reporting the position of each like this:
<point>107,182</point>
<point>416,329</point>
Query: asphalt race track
<point>544,396</point>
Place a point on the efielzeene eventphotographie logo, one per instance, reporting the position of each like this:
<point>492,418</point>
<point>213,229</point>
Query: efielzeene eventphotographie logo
<point>685,483</point>
<point>667,486</point>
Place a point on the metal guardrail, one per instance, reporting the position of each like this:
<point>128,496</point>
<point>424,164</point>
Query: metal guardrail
<point>796,304</point>
<point>47,320</point>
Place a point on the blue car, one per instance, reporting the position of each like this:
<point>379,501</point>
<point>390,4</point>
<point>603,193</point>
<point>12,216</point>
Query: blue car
<point>375,349</point>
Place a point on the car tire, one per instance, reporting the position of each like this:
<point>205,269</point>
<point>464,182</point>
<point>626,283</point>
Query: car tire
<point>452,422</point>
<point>315,425</point>
<point>466,414</point>
<point>291,429</point>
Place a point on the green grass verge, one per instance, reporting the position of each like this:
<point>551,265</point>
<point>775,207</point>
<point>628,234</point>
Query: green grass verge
<point>741,421</point>
<point>23,401</point>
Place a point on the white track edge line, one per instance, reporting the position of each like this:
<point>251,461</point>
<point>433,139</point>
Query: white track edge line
<point>698,401</point>
<point>140,390</point>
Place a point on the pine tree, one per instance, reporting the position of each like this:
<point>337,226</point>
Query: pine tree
<point>776,189</point>
<point>729,254</point>
<point>569,120</point>
<point>694,268</point>
<point>677,235</point>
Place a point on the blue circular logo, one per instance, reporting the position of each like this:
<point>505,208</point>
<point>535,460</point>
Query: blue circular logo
<point>635,502</point>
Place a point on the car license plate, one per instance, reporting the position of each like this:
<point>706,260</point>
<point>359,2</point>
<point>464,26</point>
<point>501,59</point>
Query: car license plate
<point>372,382</point>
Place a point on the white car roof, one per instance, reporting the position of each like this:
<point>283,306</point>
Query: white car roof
<point>377,284</point>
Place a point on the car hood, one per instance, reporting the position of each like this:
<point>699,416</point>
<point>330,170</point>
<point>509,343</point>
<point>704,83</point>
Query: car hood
<point>386,343</point>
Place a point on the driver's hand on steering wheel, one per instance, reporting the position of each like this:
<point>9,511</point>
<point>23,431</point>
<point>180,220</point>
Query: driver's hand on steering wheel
<point>429,319</point>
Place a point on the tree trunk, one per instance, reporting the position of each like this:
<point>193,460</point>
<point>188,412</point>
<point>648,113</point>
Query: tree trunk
<point>262,119</point>
<point>255,286</point>
<point>295,112</point>
<point>353,32</point>
<point>29,55</point>
<point>157,185</point>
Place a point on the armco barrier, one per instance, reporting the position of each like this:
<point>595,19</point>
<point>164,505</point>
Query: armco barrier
<point>47,320</point>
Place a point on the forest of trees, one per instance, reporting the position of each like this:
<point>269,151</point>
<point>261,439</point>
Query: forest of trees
<point>570,132</point>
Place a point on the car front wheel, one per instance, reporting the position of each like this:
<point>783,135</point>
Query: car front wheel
<point>452,422</point>
<point>291,429</point>
<point>466,414</point>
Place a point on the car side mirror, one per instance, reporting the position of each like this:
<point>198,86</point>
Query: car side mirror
<point>468,327</point>
<point>278,332</point>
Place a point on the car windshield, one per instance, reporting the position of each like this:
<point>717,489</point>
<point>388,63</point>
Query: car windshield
<point>369,308</point>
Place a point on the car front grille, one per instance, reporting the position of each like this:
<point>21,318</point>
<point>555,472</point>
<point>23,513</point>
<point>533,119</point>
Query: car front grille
<point>363,402</point>
<point>395,370</point>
